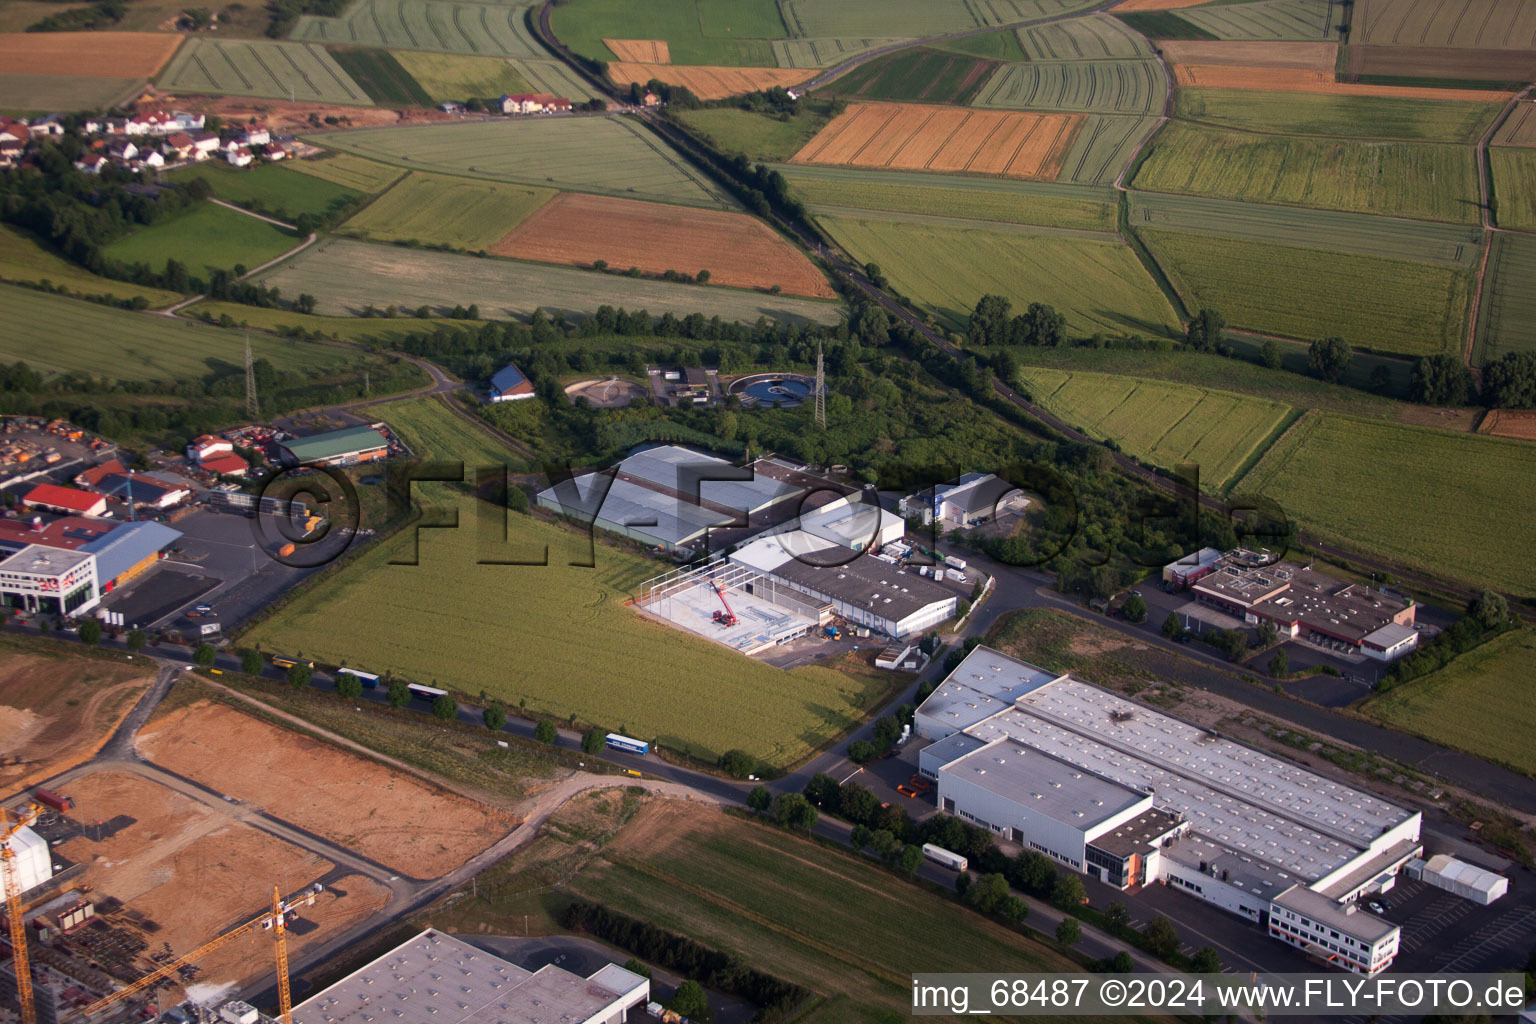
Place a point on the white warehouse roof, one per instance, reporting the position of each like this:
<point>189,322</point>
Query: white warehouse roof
<point>1467,875</point>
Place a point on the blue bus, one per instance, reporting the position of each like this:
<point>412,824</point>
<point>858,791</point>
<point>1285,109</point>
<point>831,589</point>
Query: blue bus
<point>617,741</point>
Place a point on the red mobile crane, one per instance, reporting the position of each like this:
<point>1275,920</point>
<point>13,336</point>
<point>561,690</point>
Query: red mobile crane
<point>727,617</point>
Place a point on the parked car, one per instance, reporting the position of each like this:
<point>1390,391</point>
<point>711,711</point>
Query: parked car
<point>1377,907</point>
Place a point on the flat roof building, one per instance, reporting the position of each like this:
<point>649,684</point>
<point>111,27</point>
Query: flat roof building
<point>52,581</point>
<point>346,447</point>
<point>973,499</point>
<point>1190,568</point>
<point>68,534</point>
<point>128,551</point>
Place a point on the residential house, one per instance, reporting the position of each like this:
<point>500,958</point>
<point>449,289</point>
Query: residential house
<point>92,163</point>
<point>204,144</point>
<point>255,135</point>
<point>179,146</point>
<point>239,156</point>
<point>275,151</point>
<point>122,150</point>
<point>48,124</point>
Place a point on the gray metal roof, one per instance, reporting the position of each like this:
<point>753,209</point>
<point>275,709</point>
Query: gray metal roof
<point>678,469</point>
<point>127,546</point>
<point>986,682</point>
<point>37,560</point>
<point>1044,784</point>
<point>639,510</point>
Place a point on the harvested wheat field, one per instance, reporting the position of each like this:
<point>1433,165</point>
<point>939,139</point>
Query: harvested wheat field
<point>56,712</point>
<point>709,83</point>
<point>1221,76</point>
<point>357,803</point>
<point>90,54</point>
<point>736,249</point>
<point>1517,423</point>
<point>1252,53</point>
<point>1155,5</point>
<point>642,51</point>
<point>917,137</point>
<point>1520,129</point>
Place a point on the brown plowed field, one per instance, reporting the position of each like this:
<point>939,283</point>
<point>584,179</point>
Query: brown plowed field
<point>709,83</point>
<point>1298,80</point>
<point>736,249</point>
<point>356,803</point>
<point>909,136</point>
<point>57,712</point>
<point>1442,62</point>
<point>644,51</point>
<point>91,54</point>
<point>1519,424</point>
<point>1247,54</point>
<point>1520,129</point>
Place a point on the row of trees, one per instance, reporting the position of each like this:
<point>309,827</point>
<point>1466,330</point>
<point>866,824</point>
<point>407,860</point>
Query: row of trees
<point>992,325</point>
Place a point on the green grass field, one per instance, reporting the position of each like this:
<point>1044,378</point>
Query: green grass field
<point>1163,25</point>
<point>1091,37</point>
<point>1453,504</point>
<point>758,136</point>
<point>349,172</point>
<point>1000,45</point>
<point>1514,186</point>
<point>721,32</point>
<point>941,195</point>
<point>205,237</point>
<point>606,664</point>
<point>260,67</point>
<point>103,342</point>
<point>439,210</point>
<point>1103,147</point>
<point>1162,423</point>
<point>449,76</point>
<point>1360,117</point>
<point>1268,19</point>
<point>24,261</point>
<point>916,75</point>
<point>277,189</point>
<point>606,155</point>
<point>447,26</point>
<point>22,94</point>
<point>1431,241</point>
<point>822,53</point>
<point>345,276</point>
<point>434,432</point>
<point>1097,284</point>
<point>1477,703</point>
<point>1403,179</point>
<point>1507,319</point>
<point>381,76</point>
<point>1107,86</point>
<point>386,330</point>
<point>1384,305</point>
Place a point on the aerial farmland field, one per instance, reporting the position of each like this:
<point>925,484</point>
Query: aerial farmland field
<point>1104,145</point>
<point>919,75</point>
<point>757,136</point>
<point>346,276</point>
<point>822,53</point>
<point>915,17</point>
<point>1107,86</point>
<point>1488,24</point>
<point>435,209</point>
<point>276,189</point>
<point>1507,320</point>
<point>1095,281</point>
<point>447,76</point>
<point>447,26</point>
<point>1382,304</point>
<point>87,54</point>
<point>260,67</point>
<point>349,171</point>
<point>1268,19</point>
<point>1520,127</point>
<point>730,33</point>
<point>381,76</point>
<point>205,237</point>
<point>1467,515</point>
<point>735,248</point>
<point>1307,113</point>
<point>1091,37</point>
<point>1162,423</point>
<point>705,82</point>
<point>1423,65</point>
<point>606,155</point>
<point>24,260</point>
<point>1514,186</point>
<point>832,189</point>
<point>1427,181</point>
<point>1309,56</point>
<point>48,93</point>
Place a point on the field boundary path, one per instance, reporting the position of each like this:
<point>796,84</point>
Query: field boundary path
<point>1485,198</point>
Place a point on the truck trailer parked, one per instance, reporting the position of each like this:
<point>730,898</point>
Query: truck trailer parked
<point>950,860</point>
<point>369,680</point>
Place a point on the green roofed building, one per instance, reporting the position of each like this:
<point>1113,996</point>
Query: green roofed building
<point>346,447</point>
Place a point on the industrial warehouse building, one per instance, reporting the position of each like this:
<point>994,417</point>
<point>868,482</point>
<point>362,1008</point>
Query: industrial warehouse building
<point>71,564</point>
<point>1132,796</point>
<point>973,499</point>
<point>346,447</point>
<point>437,977</point>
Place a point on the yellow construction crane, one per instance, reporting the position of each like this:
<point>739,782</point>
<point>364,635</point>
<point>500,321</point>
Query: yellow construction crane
<point>12,822</point>
<point>274,920</point>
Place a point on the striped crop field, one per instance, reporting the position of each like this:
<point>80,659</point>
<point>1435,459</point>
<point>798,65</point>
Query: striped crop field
<point>1095,281</point>
<point>453,76</point>
<point>349,171</point>
<point>1483,24</point>
<point>435,209</point>
<point>917,75</point>
<point>1384,305</point>
<point>347,276</point>
<point>1159,422</point>
<point>446,26</point>
<point>1343,116</point>
<point>1389,487</point>
<point>606,155</point>
<point>260,67</point>
<point>1425,181</point>
<point>834,190</point>
<point>915,18</point>
<point>1269,19</point>
<point>711,33</point>
<point>1308,56</point>
<point>1507,320</point>
<point>1428,241</point>
<point>1107,86</point>
<point>823,53</point>
<point>1514,186</point>
<point>381,76</point>
<point>1520,127</point>
<point>1091,37</point>
<point>1312,80</point>
<point>1104,146</point>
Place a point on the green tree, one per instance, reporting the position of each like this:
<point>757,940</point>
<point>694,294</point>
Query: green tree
<point>759,799</point>
<point>545,731</point>
<point>299,675</point>
<point>859,837</point>
<point>1441,379</point>
<point>90,632</point>
<point>634,966</point>
<point>1328,358</point>
<point>911,858</point>
<point>1116,915</point>
<point>1068,892</point>
<point>793,811</point>
<point>1205,961</point>
<point>862,751</point>
<point>702,277</point>
<point>1509,382</point>
<point>445,708</point>
<point>204,655</point>
<point>1206,331</point>
<point>1172,626</point>
<point>136,640</point>
<point>1279,665</point>
<point>988,892</point>
<point>251,662</point>
<point>593,741</point>
<point>494,716</point>
<point>1014,909</point>
<point>989,320</point>
<point>399,694</point>
<point>1122,963</point>
<point>1162,939</point>
<point>348,686</point>
<point>1135,608</point>
<point>690,1001</point>
<point>1269,354</point>
<point>1069,932</point>
<point>738,764</point>
<point>1489,609</point>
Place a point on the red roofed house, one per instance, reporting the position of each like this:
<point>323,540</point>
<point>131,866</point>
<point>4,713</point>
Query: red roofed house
<point>67,534</point>
<point>226,465</point>
<point>66,500</point>
<point>180,145</point>
<point>92,477</point>
<point>239,156</point>
<point>206,446</point>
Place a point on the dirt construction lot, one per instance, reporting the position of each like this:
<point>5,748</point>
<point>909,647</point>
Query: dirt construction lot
<point>1299,80</point>
<point>911,136</point>
<point>195,872</point>
<point>736,249</point>
<point>374,811</point>
<point>92,54</point>
<point>709,83</point>
<point>55,712</point>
